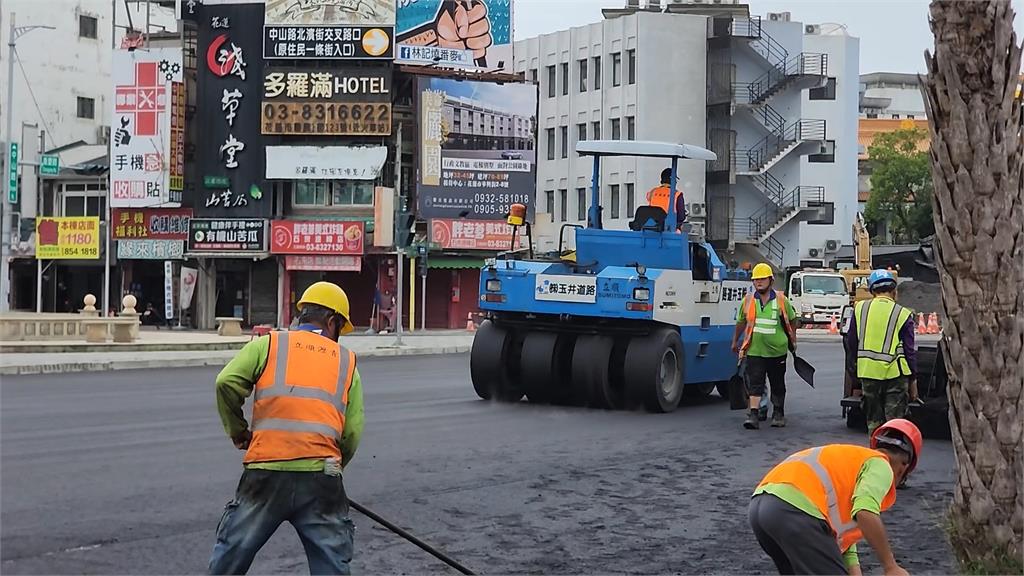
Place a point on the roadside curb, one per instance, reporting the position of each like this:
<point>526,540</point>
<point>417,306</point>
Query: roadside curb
<point>211,360</point>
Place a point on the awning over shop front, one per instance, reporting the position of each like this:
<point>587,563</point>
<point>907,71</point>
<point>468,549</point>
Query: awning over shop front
<point>454,262</point>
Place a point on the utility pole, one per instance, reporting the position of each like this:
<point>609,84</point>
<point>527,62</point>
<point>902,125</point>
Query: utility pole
<point>398,250</point>
<point>5,206</point>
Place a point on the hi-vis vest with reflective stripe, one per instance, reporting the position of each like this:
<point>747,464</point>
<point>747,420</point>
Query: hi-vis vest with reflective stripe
<point>827,475</point>
<point>767,326</point>
<point>880,351</point>
<point>659,197</point>
<point>300,399</point>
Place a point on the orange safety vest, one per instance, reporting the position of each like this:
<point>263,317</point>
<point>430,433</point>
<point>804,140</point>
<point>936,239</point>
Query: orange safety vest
<point>659,197</point>
<point>299,400</point>
<point>751,314</point>
<point>827,475</point>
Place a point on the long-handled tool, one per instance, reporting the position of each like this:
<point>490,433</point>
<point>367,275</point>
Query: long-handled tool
<point>423,545</point>
<point>803,367</point>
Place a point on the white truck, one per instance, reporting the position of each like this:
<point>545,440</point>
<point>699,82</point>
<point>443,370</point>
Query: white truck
<point>817,294</point>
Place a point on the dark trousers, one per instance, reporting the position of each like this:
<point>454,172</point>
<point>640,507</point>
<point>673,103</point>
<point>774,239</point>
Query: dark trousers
<point>797,542</point>
<point>883,400</point>
<point>761,370</point>
<point>313,502</point>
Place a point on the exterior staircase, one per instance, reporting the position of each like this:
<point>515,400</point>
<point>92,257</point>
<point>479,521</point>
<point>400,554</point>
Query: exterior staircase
<point>759,227</point>
<point>769,150</point>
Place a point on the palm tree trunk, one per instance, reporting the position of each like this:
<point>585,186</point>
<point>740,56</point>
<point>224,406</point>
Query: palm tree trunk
<point>975,125</point>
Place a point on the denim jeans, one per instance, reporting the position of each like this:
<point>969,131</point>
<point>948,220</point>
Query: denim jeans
<point>313,502</point>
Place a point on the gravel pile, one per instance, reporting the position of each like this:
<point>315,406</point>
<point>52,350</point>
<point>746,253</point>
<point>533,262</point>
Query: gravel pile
<point>920,296</point>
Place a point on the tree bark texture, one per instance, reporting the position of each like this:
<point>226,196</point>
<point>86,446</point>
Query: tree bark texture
<point>975,125</point>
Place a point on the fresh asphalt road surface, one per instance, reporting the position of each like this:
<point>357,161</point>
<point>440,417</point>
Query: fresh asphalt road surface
<point>127,472</point>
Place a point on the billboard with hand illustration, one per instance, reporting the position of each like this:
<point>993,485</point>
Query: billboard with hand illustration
<point>469,34</point>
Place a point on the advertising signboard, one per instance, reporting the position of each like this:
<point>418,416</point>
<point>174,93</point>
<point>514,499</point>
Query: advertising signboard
<point>465,171</point>
<point>469,34</point>
<point>325,162</point>
<point>323,263</point>
<point>227,235</point>
<point>293,237</point>
<point>341,101</point>
<point>151,223</point>
<point>150,249</point>
<point>75,238</point>
<point>472,235</point>
<point>331,29</point>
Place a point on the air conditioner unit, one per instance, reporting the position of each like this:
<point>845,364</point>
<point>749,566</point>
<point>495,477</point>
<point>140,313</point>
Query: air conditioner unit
<point>698,209</point>
<point>103,134</point>
<point>814,252</point>
<point>778,16</point>
<point>812,29</point>
<point>832,246</point>
<point>697,230</point>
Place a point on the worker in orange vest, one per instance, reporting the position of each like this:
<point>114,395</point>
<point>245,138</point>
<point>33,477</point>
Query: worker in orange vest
<point>658,196</point>
<point>307,420</point>
<point>809,511</point>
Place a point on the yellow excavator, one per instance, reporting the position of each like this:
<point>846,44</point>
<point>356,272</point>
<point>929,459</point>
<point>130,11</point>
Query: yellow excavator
<point>856,277</point>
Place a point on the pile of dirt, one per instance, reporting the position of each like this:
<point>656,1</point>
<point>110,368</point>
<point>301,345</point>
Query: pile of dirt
<point>920,296</point>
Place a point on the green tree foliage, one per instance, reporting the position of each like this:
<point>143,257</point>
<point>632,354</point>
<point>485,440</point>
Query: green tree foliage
<point>901,185</point>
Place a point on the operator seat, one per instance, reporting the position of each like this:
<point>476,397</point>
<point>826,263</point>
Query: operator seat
<point>649,218</point>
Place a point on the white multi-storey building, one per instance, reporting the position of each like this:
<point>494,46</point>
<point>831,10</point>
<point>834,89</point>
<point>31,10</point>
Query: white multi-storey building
<point>776,100</point>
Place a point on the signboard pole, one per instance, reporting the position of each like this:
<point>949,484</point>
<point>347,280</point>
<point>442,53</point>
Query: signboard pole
<point>39,286</point>
<point>106,253</point>
<point>398,251</point>
<point>423,304</point>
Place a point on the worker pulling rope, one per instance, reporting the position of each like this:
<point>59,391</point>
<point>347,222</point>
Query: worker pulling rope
<point>423,545</point>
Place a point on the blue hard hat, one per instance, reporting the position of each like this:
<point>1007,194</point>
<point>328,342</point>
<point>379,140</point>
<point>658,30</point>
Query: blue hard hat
<point>880,277</point>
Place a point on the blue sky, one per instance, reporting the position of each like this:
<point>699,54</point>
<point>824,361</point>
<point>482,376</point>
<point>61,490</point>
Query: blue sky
<point>894,33</point>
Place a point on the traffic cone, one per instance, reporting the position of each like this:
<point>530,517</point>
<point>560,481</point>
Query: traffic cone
<point>921,327</point>
<point>933,323</point>
<point>833,325</point>
<point>470,325</point>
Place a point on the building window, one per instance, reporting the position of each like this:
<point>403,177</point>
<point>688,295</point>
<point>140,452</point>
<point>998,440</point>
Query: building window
<point>616,129</point>
<point>826,214</point>
<point>551,81</point>
<point>597,72</point>
<point>86,108</point>
<point>581,204</point>
<point>826,92</point>
<point>533,74</point>
<point>630,201</point>
<point>322,193</point>
<point>84,200</point>
<point>565,78</point>
<point>595,127</point>
<point>563,205</point>
<point>549,199</point>
<point>581,132</point>
<point>872,115</point>
<point>630,128</point>
<point>583,75</point>
<point>88,26</point>
<point>310,192</point>
<point>826,156</point>
<point>551,143</point>
<point>910,116</point>
<point>631,63</point>
<point>895,116</point>
<point>615,201</point>
<point>616,69</point>
<point>565,141</point>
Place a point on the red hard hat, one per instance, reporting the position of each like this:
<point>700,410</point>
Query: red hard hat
<point>909,433</point>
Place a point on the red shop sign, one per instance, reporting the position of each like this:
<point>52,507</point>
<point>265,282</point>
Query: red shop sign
<point>150,223</point>
<point>324,237</point>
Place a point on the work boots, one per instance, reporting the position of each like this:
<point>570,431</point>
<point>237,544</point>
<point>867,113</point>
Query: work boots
<point>778,412</point>
<point>752,422</point>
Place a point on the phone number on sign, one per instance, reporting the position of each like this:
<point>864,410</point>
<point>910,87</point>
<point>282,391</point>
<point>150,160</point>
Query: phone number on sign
<point>498,203</point>
<point>337,118</point>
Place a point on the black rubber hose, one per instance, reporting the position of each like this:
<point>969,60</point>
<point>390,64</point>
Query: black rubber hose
<point>423,545</point>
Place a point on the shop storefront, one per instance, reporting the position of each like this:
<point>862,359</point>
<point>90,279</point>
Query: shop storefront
<point>148,238</point>
<point>235,267</point>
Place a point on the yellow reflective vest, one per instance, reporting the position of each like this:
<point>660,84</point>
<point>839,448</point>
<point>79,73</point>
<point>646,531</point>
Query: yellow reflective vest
<point>880,351</point>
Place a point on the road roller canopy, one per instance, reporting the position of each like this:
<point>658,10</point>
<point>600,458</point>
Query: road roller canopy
<point>643,148</point>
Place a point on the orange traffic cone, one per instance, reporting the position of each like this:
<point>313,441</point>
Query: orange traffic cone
<point>933,323</point>
<point>921,327</point>
<point>470,325</point>
<point>833,325</point>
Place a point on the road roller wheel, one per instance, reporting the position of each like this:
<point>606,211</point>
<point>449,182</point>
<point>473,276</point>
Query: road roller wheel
<point>545,367</point>
<point>594,372</point>
<point>654,371</point>
<point>494,364</point>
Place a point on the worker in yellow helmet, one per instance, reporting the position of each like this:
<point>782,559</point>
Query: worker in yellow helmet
<point>307,420</point>
<point>765,321</point>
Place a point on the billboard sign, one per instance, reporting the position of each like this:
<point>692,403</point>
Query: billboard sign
<point>323,263</point>
<point>472,235</point>
<point>323,237</point>
<point>148,127</point>
<point>331,29</point>
<point>465,170</point>
<point>150,249</point>
<point>339,102</point>
<point>325,162</point>
<point>230,80</point>
<point>469,34</point>
<point>76,238</point>
<point>227,235</point>
<point>152,223</point>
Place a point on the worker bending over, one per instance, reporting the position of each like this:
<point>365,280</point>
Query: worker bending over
<point>810,510</point>
<point>764,320</point>
<point>881,353</point>
<point>307,419</point>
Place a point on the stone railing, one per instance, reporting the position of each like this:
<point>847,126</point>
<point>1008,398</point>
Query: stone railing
<point>86,325</point>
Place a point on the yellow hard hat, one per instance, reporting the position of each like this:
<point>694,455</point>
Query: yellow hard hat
<point>762,270</point>
<point>331,296</point>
